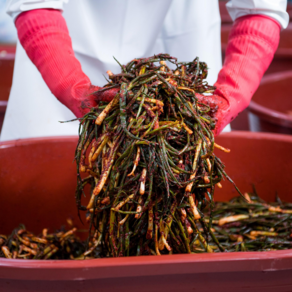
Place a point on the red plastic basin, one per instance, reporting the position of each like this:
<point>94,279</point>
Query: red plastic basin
<point>225,17</point>
<point>271,106</point>
<point>37,181</point>
<point>7,56</point>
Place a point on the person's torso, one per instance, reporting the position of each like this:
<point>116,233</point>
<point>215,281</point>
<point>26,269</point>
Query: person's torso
<point>137,28</point>
<point>101,29</point>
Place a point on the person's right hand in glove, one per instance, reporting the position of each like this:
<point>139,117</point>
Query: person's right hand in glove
<point>44,35</point>
<point>252,44</point>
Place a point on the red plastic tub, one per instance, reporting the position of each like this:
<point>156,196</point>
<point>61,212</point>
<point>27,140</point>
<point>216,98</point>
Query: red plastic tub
<point>37,181</point>
<point>225,17</point>
<point>7,56</point>
<point>271,107</point>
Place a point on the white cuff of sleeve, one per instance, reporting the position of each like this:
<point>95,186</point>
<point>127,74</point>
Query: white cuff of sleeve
<point>14,9</point>
<point>281,16</point>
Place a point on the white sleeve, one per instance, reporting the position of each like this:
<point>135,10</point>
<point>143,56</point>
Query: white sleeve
<point>273,8</point>
<point>15,7</point>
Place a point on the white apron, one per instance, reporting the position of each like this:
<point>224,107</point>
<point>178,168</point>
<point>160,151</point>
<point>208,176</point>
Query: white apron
<point>102,29</point>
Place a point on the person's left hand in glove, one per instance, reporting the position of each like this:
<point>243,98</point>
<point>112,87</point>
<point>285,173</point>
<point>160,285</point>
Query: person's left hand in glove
<point>252,44</point>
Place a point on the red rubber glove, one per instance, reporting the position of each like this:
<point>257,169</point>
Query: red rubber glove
<point>44,35</point>
<point>252,44</point>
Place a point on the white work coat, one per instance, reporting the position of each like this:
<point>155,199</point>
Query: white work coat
<point>125,29</point>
